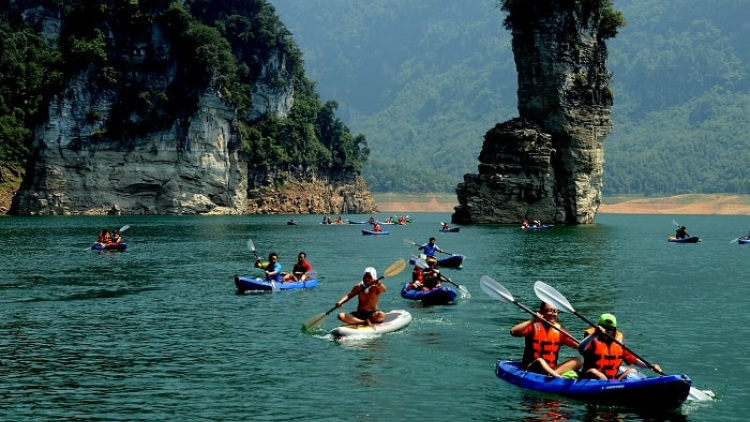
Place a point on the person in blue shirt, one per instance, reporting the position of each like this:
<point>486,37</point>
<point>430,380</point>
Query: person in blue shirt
<point>430,248</point>
<point>272,267</point>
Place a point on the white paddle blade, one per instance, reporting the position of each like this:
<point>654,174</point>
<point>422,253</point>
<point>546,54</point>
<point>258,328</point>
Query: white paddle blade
<point>464,292</point>
<point>421,263</point>
<point>494,289</point>
<point>125,227</point>
<point>549,295</point>
<point>251,245</point>
<point>409,242</point>
<point>700,395</point>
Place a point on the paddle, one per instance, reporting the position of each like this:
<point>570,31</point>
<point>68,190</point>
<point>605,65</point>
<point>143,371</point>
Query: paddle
<point>251,246</point>
<point>421,263</point>
<point>550,295</point>
<point>317,320</point>
<point>409,242</point>
<point>496,290</point>
<point>125,227</point>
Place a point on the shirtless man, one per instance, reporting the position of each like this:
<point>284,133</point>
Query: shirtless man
<point>368,292</point>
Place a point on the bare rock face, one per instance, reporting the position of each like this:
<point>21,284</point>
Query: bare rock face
<point>190,164</point>
<point>190,168</point>
<point>307,192</point>
<point>547,164</point>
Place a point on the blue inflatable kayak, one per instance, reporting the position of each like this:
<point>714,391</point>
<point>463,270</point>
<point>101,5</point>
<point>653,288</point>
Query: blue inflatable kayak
<point>659,392</point>
<point>109,246</point>
<point>373,232</point>
<point>542,227</point>
<point>453,261</point>
<point>743,241</point>
<point>691,239</point>
<point>256,284</point>
<point>439,296</point>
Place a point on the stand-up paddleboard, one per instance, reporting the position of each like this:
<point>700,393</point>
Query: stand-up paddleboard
<point>394,320</point>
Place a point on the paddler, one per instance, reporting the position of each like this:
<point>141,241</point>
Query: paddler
<point>602,356</point>
<point>543,339</point>
<point>368,293</point>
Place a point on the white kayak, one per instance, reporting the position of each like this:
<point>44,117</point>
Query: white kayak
<point>394,320</point>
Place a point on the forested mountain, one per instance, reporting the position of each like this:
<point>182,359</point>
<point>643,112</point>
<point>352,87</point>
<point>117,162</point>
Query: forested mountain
<point>425,79</point>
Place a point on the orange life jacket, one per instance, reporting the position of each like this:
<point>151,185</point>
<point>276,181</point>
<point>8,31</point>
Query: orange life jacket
<point>606,358</point>
<point>544,343</point>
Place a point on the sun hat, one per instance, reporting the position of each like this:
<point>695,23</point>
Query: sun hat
<point>431,259</point>
<point>373,272</point>
<point>608,320</point>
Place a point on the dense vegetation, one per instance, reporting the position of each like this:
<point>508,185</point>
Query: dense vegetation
<point>424,79</point>
<point>222,45</point>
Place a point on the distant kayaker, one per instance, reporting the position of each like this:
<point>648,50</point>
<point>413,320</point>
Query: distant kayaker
<point>376,227</point>
<point>430,248</point>
<point>272,267</point>
<point>368,293</point>
<point>681,232</point>
<point>115,238</point>
<point>104,237</point>
<point>543,343</point>
<point>602,356</point>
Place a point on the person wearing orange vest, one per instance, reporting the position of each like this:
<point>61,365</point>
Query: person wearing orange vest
<point>602,356</point>
<point>544,335</point>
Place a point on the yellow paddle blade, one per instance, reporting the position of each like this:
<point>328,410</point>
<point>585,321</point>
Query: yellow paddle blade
<point>395,268</point>
<point>314,322</point>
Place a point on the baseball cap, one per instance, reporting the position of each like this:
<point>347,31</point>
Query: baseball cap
<point>608,320</point>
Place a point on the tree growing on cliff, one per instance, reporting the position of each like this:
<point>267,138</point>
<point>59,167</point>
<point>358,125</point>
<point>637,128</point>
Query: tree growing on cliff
<point>601,13</point>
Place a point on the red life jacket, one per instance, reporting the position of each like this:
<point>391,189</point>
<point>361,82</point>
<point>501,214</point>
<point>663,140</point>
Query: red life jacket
<point>606,358</point>
<point>544,343</point>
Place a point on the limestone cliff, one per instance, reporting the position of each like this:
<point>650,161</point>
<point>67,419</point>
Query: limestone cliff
<point>152,125</point>
<point>547,164</point>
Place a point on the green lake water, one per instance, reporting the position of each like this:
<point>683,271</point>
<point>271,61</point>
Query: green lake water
<point>158,333</point>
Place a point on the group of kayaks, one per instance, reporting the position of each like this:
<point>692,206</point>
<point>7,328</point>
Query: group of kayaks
<point>636,391</point>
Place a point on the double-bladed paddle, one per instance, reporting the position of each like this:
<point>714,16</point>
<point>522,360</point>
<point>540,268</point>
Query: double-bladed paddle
<point>421,263</point>
<point>548,294</point>
<point>251,246</point>
<point>317,320</point>
<point>496,290</point>
<point>409,242</point>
